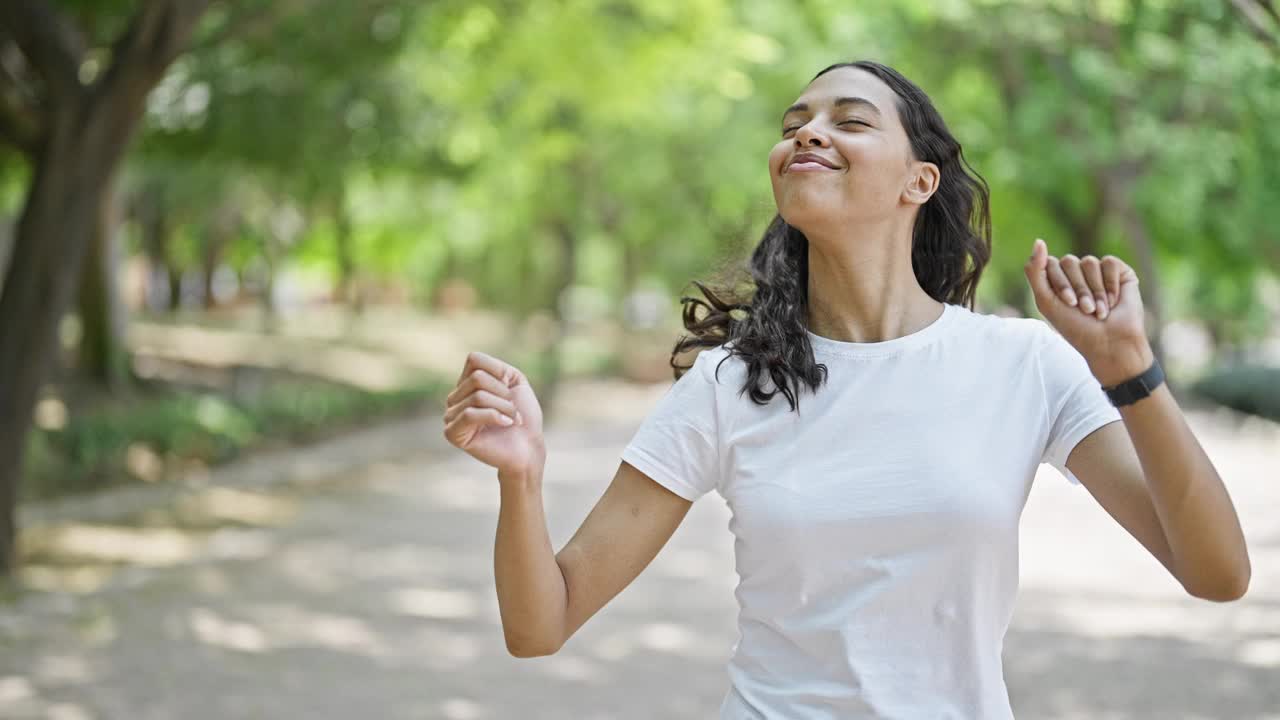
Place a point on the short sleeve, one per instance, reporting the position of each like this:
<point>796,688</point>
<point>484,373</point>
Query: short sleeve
<point>1074,400</point>
<point>677,443</point>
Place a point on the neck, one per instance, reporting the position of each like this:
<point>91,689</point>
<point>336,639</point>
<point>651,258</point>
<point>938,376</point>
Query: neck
<point>862,288</point>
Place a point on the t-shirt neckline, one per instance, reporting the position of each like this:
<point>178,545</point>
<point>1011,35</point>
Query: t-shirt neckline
<point>921,337</point>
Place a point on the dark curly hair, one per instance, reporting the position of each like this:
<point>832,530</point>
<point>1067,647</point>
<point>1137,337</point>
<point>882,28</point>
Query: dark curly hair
<point>765,314</point>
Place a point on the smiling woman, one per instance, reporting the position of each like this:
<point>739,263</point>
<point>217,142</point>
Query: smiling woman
<point>863,148</point>
<point>876,532</point>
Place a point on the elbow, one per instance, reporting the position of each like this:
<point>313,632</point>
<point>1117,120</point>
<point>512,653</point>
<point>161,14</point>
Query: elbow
<point>529,651</point>
<point>530,648</point>
<point>1226,589</point>
<point>525,654</point>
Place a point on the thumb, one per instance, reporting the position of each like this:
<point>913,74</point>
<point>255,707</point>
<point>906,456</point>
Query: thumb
<point>1036,270</point>
<point>1127,286</point>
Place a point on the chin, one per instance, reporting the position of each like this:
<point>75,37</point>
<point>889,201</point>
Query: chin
<point>804,215</point>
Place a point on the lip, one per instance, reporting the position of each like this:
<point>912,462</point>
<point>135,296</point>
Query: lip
<point>806,162</point>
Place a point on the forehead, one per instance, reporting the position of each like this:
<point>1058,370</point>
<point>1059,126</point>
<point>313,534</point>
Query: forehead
<point>849,82</point>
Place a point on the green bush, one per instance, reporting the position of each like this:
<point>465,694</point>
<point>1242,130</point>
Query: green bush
<point>182,427</point>
<point>1249,389</point>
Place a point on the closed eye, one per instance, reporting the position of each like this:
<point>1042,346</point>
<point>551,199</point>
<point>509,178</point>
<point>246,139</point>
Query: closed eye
<point>793,128</point>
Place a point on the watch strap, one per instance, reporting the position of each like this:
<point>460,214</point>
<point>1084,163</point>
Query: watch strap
<point>1134,389</point>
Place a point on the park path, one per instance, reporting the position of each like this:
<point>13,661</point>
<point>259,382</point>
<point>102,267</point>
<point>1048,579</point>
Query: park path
<point>355,579</point>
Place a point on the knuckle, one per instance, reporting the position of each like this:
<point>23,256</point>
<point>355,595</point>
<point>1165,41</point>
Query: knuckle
<point>487,398</point>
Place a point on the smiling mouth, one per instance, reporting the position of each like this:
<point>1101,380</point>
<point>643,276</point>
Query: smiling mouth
<point>810,162</point>
<point>806,165</point>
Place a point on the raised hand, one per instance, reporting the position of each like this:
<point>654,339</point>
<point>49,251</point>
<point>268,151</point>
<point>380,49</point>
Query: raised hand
<point>493,414</point>
<point>1095,305</point>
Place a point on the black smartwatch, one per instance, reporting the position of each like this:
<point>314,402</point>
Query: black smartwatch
<point>1132,390</point>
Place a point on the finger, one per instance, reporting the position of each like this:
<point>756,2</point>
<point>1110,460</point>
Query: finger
<point>475,419</point>
<point>1059,282</point>
<point>1071,268</point>
<point>1091,268</point>
<point>1112,270</point>
<point>1035,270</point>
<point>478,380</point>
<point>482,399</point>
<point>495,367</point>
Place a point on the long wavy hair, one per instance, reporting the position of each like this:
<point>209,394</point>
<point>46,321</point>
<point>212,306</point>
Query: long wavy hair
<point>763,317</point>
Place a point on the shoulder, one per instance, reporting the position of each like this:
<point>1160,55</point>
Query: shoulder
<point>1002,332</point>
<point>717,365</point>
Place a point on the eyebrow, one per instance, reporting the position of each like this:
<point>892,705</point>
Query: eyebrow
<point>863,102</point>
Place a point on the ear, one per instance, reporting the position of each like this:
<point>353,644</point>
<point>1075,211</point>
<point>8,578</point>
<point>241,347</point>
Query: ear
<point>922,184</point>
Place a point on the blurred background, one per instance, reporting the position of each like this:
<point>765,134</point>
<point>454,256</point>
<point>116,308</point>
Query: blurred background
<point>246,246</point>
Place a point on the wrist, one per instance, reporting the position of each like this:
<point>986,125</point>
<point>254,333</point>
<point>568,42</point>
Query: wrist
<point>1122,364</point>
<point>528,475</point>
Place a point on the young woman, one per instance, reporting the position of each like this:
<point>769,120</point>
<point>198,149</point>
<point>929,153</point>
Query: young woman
<point>876,522</point>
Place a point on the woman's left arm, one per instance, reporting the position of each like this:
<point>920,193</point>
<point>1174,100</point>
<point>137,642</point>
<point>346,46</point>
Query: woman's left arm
<point>1149,472</point>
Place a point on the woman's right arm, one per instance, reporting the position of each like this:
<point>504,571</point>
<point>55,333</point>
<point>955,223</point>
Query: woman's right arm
<point>544,598</point>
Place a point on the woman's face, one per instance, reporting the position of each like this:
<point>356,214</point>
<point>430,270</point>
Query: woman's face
<point>859,164</point>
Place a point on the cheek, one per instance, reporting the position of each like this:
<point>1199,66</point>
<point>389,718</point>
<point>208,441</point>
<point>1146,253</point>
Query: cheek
<point>875,165</point>
<point>777,156</point>
<point>868,154</point>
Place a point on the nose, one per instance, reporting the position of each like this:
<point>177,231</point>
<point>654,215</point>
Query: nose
<point>809,134</point>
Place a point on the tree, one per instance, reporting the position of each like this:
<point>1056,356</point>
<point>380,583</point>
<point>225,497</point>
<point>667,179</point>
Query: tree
<point>1131,128</point>
<point>1262,20</point>
<point>73,123</point>
<point>287,111</point>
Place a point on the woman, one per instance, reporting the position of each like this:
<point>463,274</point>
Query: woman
<point>876,522</point>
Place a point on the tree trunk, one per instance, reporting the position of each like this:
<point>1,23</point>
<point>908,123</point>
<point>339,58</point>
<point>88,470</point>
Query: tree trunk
<point>1148,275</point>
<point>630,278</point>
<point>104,356</point>
<point>348,290</point>
<point>208,268</point>
<point>564,278</point>
<point>153,225</point>
<point>1084,226</point>
<point>1120,194</point>
<point>6,246</point>
<point>270,260</point>
<point>55,230</point>
<point>217,235</point>
<point>226,221</point>
<point>85,134</point>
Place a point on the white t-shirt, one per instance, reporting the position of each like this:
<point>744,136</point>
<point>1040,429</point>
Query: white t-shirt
<point>876,531</point>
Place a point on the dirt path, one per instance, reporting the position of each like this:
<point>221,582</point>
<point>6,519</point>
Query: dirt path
<point>363,587</point>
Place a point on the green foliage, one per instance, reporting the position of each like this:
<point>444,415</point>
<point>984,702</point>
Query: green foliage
<point>615,143</point>
<point>1158,112</point>
<point>181,428</point>
<point>1249,389</point>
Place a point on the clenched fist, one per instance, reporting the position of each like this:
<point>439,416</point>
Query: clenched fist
<point>493,414</point>
<point>1096,306</point>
